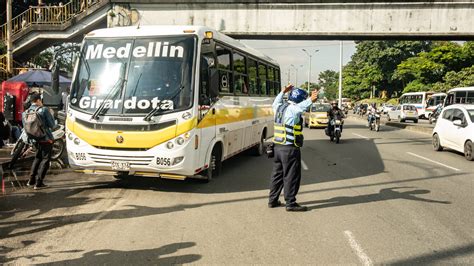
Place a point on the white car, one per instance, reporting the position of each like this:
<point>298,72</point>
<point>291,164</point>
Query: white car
<point>386,108</point>
<point>403,112</point>
<point>455,130</point>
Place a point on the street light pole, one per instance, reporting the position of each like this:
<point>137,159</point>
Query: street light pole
<point>340,75</point>
<point>309,72</point>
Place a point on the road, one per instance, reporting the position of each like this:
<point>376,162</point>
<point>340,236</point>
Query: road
<point>376,198</point>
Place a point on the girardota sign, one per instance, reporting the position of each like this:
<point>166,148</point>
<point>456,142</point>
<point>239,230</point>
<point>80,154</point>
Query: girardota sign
<point>87,102</point>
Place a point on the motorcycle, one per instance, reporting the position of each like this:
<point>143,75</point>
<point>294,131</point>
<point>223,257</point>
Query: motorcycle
<point>374,121</point>
<point>23,145</point>
<point>335,133</point>
<point>433,117</point>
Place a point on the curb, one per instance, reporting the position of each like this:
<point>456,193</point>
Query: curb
<point>425,130</point>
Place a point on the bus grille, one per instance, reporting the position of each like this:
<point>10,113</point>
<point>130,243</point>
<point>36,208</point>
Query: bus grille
<point>133,160</point>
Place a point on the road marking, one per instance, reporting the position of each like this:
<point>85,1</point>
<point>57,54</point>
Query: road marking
<point>360,136</point>
<point>358,249</point>
<point>303,164</point>
<point>438,163</point>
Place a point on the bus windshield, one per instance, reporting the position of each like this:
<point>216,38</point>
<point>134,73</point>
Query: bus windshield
<point>411,99</point>
<point>134,76</point>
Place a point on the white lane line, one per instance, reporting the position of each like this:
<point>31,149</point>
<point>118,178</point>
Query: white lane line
<point>303,164</point>
<point>358,249</point>
<point>435,162</point>
<point>360,136</point>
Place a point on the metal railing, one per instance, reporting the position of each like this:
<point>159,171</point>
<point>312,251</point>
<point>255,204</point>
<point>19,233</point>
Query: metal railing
<point>47,16</point>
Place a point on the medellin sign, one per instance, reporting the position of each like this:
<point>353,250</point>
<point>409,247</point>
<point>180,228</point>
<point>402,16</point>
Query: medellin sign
<point>153,49</point>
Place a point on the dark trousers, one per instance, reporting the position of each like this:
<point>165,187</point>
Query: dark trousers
<point>41,163</point>
<point>286,173</point>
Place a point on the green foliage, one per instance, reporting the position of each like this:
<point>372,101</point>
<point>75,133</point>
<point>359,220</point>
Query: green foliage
<point>416,86</point>
<point>374,64</point>
<point>404,66</point>
<point>452,79</point>
<point>329,80</point>
<point>65,60</point>
<point>393,101</point>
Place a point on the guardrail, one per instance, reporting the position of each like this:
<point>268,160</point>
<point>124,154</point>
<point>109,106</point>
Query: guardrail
<point>47,16</point>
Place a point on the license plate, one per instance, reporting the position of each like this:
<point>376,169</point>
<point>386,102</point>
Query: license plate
<point>120,166</point>
<point>324,121</point>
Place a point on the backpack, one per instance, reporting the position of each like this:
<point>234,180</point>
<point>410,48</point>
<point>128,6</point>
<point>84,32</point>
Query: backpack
<point>34,124</point>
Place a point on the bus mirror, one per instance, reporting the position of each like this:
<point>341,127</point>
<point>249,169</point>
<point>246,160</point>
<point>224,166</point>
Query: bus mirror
<point>214,83</point>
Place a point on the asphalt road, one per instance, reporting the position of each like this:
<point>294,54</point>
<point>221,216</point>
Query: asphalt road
<point>376,198</point>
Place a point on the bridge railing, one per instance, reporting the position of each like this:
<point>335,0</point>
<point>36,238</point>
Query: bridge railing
<point>47,15</point>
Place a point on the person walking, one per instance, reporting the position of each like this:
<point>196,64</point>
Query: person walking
<point>38,123</point>
<point>288,139</point>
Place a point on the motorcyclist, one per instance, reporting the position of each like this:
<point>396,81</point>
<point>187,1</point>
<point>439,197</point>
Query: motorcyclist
<point>334,113</point>
<point>371,111</point>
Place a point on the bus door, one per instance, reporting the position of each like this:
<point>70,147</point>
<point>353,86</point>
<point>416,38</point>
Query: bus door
<point>208,95</point>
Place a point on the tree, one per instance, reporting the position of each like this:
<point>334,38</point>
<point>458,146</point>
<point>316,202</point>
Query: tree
<point>329,80</point>
<point>452,79</point>
<point>374,64</point>
<point>65,60</point>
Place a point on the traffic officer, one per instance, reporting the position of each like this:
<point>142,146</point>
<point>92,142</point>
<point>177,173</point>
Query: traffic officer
<point>288,139</point>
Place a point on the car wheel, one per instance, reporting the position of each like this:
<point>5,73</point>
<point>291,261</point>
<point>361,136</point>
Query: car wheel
<point>468,150</point>
<point>415,121</point>
<point>437,143</point>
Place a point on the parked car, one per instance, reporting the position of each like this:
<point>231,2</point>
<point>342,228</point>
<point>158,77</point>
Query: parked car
<point>403,112</point>
<point>455,130</point>
<point>317,115</point>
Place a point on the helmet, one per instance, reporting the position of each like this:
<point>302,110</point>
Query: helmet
<point>297,95</point>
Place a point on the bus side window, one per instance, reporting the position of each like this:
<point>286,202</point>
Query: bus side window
<point>209,80</point>
<point>224,66</point>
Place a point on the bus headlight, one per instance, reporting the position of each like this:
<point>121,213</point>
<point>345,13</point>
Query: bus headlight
<point>180,140</point>
<point>77,141</point>
<point>169,145</point>
<point>70,136</point>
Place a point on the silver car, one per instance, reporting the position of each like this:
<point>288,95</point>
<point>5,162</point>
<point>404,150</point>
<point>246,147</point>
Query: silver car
<point>403,112</point>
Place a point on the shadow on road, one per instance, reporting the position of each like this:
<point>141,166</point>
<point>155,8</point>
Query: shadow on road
<point>440,257</point>
<point>383,195</point>
<point>155,256</point>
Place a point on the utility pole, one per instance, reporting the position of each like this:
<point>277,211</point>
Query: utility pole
<point>309,72</point>
<point>9,38</point>
<point>340,75</point>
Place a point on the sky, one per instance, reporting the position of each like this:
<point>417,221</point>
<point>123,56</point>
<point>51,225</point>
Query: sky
<point>287,53</point>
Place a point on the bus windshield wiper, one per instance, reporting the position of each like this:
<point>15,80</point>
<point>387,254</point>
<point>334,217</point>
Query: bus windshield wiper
<point>114,89</point>
<point>155,110</point>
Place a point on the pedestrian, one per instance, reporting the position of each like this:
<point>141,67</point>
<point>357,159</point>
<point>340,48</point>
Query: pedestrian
<point>38,123</point>
<point>288,140</point>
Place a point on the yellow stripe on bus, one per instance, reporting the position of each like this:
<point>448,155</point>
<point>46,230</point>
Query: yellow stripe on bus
<point>131,139</point>
<point>231,115</point>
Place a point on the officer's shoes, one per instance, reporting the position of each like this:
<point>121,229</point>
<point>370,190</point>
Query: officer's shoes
<point>40,186</point>
<point>295,207</point>
<point>274,204</point>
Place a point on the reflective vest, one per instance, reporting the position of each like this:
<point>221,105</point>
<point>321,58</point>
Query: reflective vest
<point>286,134</point>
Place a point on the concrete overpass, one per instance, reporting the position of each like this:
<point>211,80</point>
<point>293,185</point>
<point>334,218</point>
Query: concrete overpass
<point>313,19</point>
<point>253,19</point>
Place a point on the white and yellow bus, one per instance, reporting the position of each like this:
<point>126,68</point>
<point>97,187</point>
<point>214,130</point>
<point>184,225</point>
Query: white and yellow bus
<point>167,101</point>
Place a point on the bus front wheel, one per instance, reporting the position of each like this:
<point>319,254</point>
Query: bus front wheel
<point>215,165</point>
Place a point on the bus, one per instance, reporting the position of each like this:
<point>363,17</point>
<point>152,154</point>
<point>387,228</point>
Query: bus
<point>463,95</point>
<point>167,101</point>
<point>418,99</point>
<point>435,100</point>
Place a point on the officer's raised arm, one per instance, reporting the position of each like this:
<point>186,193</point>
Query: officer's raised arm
<point>279,98</point>
<point>307,103</point>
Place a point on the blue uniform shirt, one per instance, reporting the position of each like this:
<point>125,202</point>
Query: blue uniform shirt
<point>293,111</point>
<point>47,118</point>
